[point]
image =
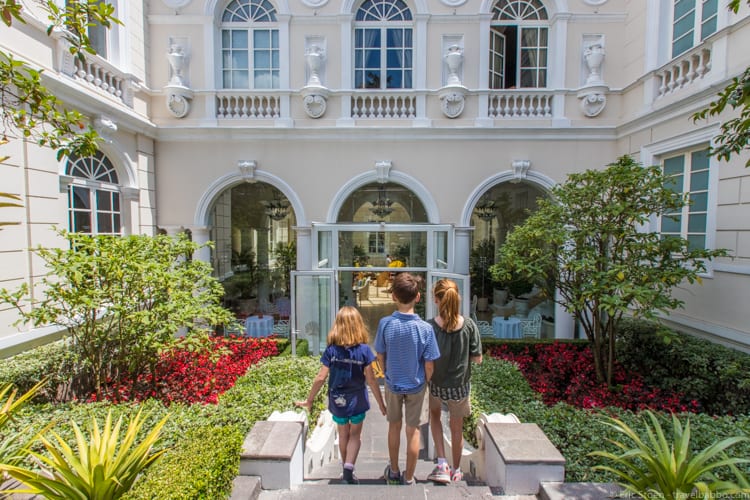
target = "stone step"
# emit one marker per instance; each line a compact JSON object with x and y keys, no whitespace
{"x":326,"y":490}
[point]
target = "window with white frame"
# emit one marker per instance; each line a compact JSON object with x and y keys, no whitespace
{"x":383,"y":49}
{"x":249,"y":45}
{"x":688,"y":173}
{"x":376,"y":243}
{"x":93,"y":195}
{"x":102,"y":39}
{"x":692,"y":22}
{"x":519,"y":36}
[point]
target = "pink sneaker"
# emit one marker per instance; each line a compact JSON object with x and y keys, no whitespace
{"x":457,"y":476}
{"x":440,"y":474}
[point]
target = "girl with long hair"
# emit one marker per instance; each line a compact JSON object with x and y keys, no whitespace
{"x":347,"y":365}
{"x":460,"y":344}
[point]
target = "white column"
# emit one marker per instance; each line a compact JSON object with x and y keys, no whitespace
{"x":304,"y":247}
{"x":200,"y":236}
{"x":462,"y":245}
{"x":564,"y":321}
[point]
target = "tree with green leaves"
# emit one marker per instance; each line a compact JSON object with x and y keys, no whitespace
{"x":590,"y":240}
{"x":29,"y":111}
{"x":122,"y":300}
{"x":735,"y":132}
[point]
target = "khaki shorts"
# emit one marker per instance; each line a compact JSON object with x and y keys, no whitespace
{"x":414,"y":404}
{"x":460,"y":408}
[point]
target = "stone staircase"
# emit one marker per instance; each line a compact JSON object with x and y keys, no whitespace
{"x":520,"y":458}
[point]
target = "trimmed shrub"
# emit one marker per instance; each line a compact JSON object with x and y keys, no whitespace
{"x":716,"y":376}
{"x":25,"y":369}
{"x":192,"y":469}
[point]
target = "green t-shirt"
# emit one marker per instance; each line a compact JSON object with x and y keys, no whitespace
{"x":452,"y":374}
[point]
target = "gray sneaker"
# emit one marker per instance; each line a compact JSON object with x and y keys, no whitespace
{"x":389,"y":477}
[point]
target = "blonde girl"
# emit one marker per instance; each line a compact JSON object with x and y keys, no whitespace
{"x":459,"y":343}
{"x":347,"y":365}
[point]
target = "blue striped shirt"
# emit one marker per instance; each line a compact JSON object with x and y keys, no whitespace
{"x":407,"y":342}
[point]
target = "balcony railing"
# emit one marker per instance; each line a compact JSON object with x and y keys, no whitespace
{"x":683,"y":71}
{"x":249,"y":105}
{"x":97,"y":74}
{"x":384,"y":105}
{"x":524,"y":104}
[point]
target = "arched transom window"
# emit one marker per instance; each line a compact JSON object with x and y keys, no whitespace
{"x":249,"y":45}
{"x":518,"y":44}
{"x":383,"y":45}
{"x":93,"y":195}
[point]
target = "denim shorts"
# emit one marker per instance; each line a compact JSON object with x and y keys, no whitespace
{"x":354,"y":419}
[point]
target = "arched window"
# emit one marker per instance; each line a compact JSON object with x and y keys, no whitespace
{"x":249,"y":45}
{"x":93,"y":195}
{"x":518,"y":44}
{"x":383,"y":45}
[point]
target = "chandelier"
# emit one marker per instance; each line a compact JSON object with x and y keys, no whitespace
{"x":486,"y":210}
{"x":382,"y":206}
{"x":276,"y":208}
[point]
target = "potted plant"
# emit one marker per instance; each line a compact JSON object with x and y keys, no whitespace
{"x":242,"y":288}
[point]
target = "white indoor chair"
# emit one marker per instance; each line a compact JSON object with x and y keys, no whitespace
{"x":281,"y":328}
{"x":531,"y":326}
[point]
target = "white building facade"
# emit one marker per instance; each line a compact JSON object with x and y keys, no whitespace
{"x":434,"y":106}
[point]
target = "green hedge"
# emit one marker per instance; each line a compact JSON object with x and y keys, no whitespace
{"x":273,"y":384}
{"x":716,"y":376}
{"x":192,"y":469}
{"x":26,"y":369}
{"x":499,"y":387}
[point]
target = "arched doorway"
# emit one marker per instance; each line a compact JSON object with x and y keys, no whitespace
{"x":498,"y":210}
{"x":376,"y":250}
{"x":377,"y":227}
{"x":255,"y":249}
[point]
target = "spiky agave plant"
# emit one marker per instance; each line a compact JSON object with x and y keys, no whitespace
{"x":656,"y":467}
{"x":102,"y":467}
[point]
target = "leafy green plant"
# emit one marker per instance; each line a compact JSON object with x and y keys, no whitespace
{"x":122,"y":299}
{"x":193,"y":470}
{"x":658,"y":467}
{"x":587,"y":241}
{"x":13,"y":444}
{"x":102,"y":467}
{"x":30,"y":111}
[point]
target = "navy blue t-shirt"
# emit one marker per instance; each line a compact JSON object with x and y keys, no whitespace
{"x":347,"y":387}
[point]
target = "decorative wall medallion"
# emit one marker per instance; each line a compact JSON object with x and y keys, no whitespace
{"x":178,"y":104}
{"x":452,"y":103}
{"x":315,"y":105}
{"x":594,"y":2}
{"x":453,"y":3}
{"x":593,"y":102}
{"x":314,"y":4}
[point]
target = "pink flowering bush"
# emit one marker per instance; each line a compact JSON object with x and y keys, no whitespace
{"x":189,"y":375}
{"x":565,"y":372}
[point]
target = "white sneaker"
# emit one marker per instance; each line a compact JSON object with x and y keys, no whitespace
{"x":440,"y":474}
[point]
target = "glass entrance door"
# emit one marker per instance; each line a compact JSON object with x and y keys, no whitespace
{"x":313,"y":308}
{"x":354,"y":264}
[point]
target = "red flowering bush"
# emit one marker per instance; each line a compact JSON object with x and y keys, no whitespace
{"x":565,"y":372}
{"x":189,"y":375}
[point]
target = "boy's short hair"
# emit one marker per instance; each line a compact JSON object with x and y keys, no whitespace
{"x":405,"y":287}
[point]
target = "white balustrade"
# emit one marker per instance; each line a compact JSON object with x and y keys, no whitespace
{"x":683,"y":71}
{"x":513,"y":104}
{"x":244,"y":105}
{"x":100,"y":74}
{"x":384,"y":105}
